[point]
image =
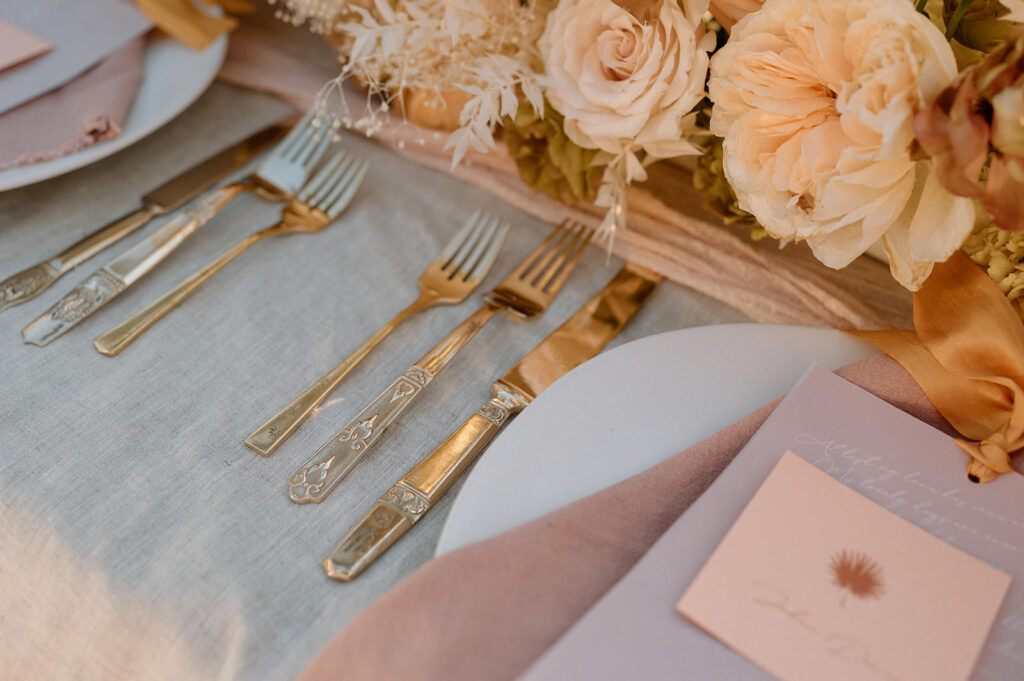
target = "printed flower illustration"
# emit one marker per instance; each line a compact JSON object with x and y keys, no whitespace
{"x":856,"y":573}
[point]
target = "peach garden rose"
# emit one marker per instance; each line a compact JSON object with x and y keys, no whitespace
{"x":626,"y":77}
{"x":815,"y":100}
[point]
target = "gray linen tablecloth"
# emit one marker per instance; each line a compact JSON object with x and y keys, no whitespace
{"x":139,"y":538}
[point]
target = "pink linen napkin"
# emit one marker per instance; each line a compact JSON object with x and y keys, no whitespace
{"x":487,"y":611}
{"x":87,"y":110}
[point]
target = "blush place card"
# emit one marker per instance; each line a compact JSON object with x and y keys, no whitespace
{"x":814,"y":581}
{"x":867,"y":447}
{"x":17,"y":46}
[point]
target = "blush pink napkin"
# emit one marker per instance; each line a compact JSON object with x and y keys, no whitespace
{"x":87,"y":110}
{"x":487,"y":611}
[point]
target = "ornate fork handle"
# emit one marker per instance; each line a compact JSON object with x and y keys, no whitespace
{"x":268,"y":437}
{"x":118,"y":338}
{"x":322,"y":472}
{"x":401,"y":507}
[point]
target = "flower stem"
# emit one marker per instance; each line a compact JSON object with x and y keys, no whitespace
{"x":920,"y":6}
{"x":958,"y":15}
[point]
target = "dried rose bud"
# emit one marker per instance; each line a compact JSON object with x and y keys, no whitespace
{"x":974,"y":131}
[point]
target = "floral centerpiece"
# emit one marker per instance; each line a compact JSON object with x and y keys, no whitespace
{"x":841,"y":123}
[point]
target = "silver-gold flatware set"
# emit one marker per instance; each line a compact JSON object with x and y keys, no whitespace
{"x":449,"y":280}
{"x":277,"y":178}
{"x":581,"y":337}
{"x":171,"y":195}
{"x":526,"y":291}
{"x":316,"y":181}
{"x":317,"y":204}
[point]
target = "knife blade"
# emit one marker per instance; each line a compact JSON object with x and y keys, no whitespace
{"x":581,"y":337}
{"x":29,"y":283}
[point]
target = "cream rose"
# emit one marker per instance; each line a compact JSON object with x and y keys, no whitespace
{"x":623,"y":81}
{"x":815,"y":100}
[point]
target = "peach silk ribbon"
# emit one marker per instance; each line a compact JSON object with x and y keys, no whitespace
{"x":967,"y":353}
{"x":186,"y":22}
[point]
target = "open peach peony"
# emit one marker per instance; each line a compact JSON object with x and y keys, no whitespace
{"x":815,"y":100}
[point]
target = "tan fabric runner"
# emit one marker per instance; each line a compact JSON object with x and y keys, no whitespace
{"x":671,"y":234}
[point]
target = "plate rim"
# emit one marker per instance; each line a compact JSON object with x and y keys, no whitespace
{"x":445,"y":544}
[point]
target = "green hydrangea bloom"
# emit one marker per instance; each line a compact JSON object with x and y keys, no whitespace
{"x":1001,"y":254}
{"x":547,"y":159}
{"x":719,"y":198}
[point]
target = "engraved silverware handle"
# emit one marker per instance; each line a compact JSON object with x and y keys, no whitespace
{"x":268,"y":437}
{"x":322,"y":472}
{"x":121,"y":336}
{"x":29,"y":283}
{"x":99,"y":289}
{"x":127,"y":268}
{"x":410,"y":498}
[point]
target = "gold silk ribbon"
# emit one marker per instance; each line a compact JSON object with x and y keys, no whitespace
{"x":183,"y":20}
{"x":966,"y":351}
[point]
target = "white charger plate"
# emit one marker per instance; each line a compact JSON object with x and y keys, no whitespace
{"x":628,"y":409}
{"x":173,"y":77}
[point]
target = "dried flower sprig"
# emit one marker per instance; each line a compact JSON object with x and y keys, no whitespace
{"x":501,"y":80}
{"x":486,"y":48}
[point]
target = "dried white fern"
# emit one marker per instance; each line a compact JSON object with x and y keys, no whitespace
{"x":486,"y":48}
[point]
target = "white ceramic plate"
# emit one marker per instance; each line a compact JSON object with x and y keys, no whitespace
{"x":628,"y":409}
{"x":174,"y":76}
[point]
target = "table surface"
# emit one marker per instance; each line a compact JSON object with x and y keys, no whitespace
{"x":139,"y":538}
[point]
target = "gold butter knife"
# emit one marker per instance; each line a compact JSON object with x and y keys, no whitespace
{"x":577,"y":340}
{"x":29,"y":283}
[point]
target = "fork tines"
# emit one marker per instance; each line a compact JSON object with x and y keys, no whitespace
{"x":549,"y":267}
{"x":472,"y":251}
{"x":332,"y":187}
{"x":303,"y":145}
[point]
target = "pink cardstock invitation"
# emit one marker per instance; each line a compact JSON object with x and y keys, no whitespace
{"x":872,"y":449}
{"x":815,"y":581}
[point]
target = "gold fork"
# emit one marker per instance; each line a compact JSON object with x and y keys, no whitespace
{"x":318,"y":203}
{"x":449,"y":280}
{"x":526,"y":292}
